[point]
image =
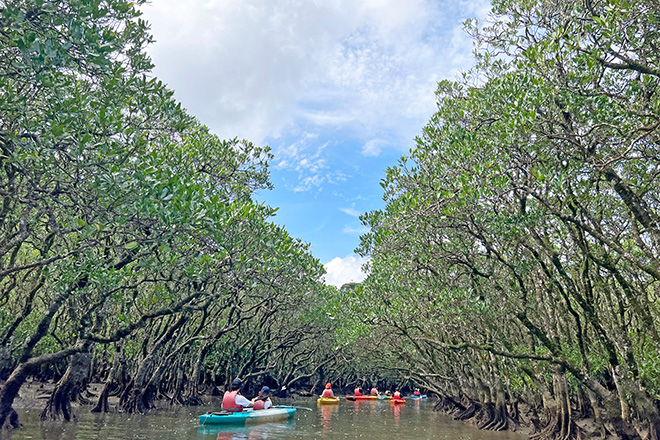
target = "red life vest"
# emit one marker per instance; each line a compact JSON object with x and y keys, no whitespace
{"x":397,"y":395}
{"x":416,"y":393}
{"x":327,"y":393}
{"x":229,"y":402}
{"x":259,"y":404}
{"x":374,"y":392}
{"x":357,"y":392}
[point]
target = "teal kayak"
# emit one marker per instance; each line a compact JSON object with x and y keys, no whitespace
{"x":246,"y":417}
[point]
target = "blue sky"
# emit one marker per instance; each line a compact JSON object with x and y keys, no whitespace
{"x":337,"y":88}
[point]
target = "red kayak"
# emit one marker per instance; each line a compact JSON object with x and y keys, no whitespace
{"x":397,"y":401}
{"x":361,"y":397}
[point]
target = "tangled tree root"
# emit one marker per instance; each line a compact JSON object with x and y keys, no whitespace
{"x":560,"y":427}
{"x":469,"y":412}
{"x":494,"y":417}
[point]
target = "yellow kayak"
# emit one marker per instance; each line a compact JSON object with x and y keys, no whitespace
{"x":327,"y":400}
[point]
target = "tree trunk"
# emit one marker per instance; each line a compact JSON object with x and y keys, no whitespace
{"x":9,"y":391}
{"x":69,"y":386}
{"x":561,"y":425}
{"x":110,"y":383}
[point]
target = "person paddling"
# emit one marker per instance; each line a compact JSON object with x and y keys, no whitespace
{"x":397,"y":395}
{"x":374,"y":391}
{"x":357,"y":391}
{"x":327,"y":392}
{"x":416,"y":393}
{"x":262,"y":401}
{"x":233,"y":400}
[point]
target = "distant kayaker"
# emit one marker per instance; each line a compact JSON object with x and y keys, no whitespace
{"x":388,"y":393}
{"x":374,"y":391}
{"x":358,"y":391}
{"x":327,"y":392}
{"x":262,"y":401}
{"x":416,"y":392}
{"x":234,"y":401}
{"x":397,"y":395}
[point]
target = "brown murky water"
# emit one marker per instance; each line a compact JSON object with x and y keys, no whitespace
{"x":348,"y":420}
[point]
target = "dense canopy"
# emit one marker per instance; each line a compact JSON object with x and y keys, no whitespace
{"x":516,"y":260}
{"x":513,"y":271}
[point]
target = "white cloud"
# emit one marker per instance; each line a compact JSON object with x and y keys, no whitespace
{"x":255,"y":69}
{"x":307,"y":183}
{"x":345,"y":270}
{"x":279,"y":70}
{"x":348,"y":229}
{"x":351,"y":211}
{"x":373,"y":147}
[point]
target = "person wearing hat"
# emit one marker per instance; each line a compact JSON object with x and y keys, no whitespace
{"x":262,"y":401}
{"x":233,"y":400}
{"x":327,"y":392}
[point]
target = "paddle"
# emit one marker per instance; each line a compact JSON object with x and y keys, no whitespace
{"x":351,"y":398}
{"x":290,"y":406}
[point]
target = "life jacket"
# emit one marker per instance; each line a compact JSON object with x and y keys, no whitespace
{"x":259,"y":404}
{"x":357,"y":392}
{"x":327,"y":393}
{"x":416,"y":393}
{"x":229,"y":402}
{"x":397,"y":395}
{"x":374,"y":392}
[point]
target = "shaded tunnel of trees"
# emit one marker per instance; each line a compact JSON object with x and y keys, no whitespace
{"x":513,"y":271}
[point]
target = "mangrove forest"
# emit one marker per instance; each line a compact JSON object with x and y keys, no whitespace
{"x":513,"y":272}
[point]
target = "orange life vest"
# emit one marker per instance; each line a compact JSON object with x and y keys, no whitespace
{"x":229,"y":402}
{"x":259,"y":404}
{"x":357,"y":392}
{"x":397,"y":395}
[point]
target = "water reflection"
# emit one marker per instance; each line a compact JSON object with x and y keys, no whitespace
{"x":327,"y":412}
{"x":396,"y":409}
{"x":347,"y":420}
{"x":254,"y":432}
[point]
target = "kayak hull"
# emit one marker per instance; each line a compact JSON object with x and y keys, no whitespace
{"x":327,"y":400}
{"x":361,"y":397}
{"x":397,"y":401}
{"x":423,"y":396}
{"x":246,"y":417}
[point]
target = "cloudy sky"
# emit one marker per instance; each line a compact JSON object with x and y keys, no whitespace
{"x":337,"y":88}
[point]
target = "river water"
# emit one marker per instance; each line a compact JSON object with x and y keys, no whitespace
{"x":348,"y":420}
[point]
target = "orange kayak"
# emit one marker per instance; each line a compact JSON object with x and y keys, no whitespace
{"x":397,"y":401}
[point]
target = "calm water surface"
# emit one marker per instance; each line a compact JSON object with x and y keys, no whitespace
{"x":348,"y":420}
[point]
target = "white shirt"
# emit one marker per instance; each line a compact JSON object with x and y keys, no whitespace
{"x":241,"y":400}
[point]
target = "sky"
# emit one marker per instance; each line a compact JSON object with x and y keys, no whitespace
{"x":339,"y":89}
